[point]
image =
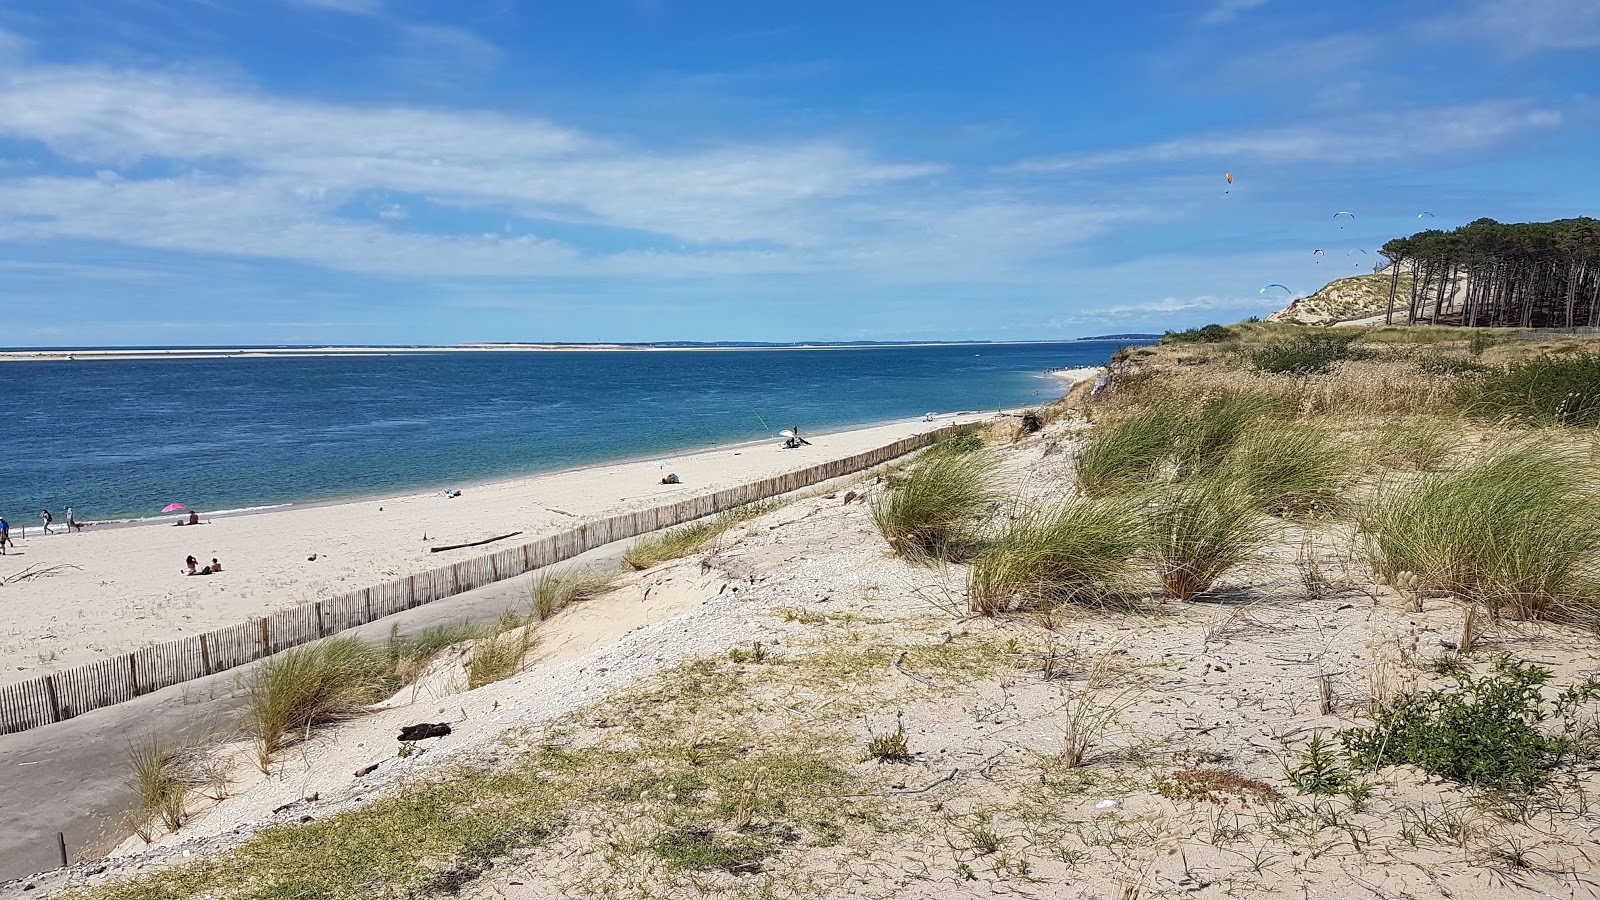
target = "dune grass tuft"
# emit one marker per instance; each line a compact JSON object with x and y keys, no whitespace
{"x":554,"y":589}
{"x":159,"y":779}
{"x":499,"y":656}
{"x":676,"y":543}
{"x":1047,"y":556}
{"x":409,"y":657}
{"x":1292,"y":471}
{"x":1197,"y":531}
{"x":1517,"y":530}
{"x":1423,"y":446}
{"x":931,"y":512}
{"x":305,"y":686}
{"x":1167,"y":440}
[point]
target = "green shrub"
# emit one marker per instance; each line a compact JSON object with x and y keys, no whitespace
{"x":1311,"y":354}
{"x":1517,"y":530}
{"x":1208,"y":334}
{"x":1198,"y":530}
{"x":931,"y":512}
{"x":963,"y":440}
{"x":1054,"y":555}
{"x":1548,"y":390}
{"x":1490,"y":731}
{"x":1293,"y":471}
{"x":306,"y":686}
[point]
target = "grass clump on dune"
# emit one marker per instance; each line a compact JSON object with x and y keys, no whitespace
{"x":1292,"y":471}
{"x":409,"y":657}
{"x":498,"y":657}
{"x":1196,"y":531}
{"x":1518,"y":530}
{"x":676,"y":543}
{"x":313,"y":684}
{"x":1309,"y":354}
{"x":1548,"y":390}
{"x":1167,"y":440}
{"x":553,"y":590}
{"x":1055,"y":555}
{"x":1423,"y":447}
{"x":931,"y":511}
{"x":159,"y":777}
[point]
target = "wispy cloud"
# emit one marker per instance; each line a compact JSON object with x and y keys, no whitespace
{"x":1384,"y":136}
{"x":1526,"y":26}
{"x":267,"y":177}
{"x":359,"y":7}
{"x":1222,"y":11}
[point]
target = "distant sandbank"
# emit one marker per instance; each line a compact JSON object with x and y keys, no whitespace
{"x":53,"y":353}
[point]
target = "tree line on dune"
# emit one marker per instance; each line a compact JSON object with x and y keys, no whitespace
{"x":1529,"y":275}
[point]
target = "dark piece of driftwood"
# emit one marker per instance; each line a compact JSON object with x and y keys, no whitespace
{"x":424,"y":731}
{"x":473,"y":543}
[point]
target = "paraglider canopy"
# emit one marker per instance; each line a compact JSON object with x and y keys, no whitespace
{"x":1230,"y":178}
{"x":1279,"y":286}
{"x":1426,"y":213}
{"x":1316,"y":251}
{"x":1344,"y":212}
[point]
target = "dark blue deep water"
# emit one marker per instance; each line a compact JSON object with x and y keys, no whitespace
{"x":120,"y":439}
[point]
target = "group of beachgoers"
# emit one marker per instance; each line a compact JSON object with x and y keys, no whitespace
{"x":191,"y":564}
{"x":47,"y":518}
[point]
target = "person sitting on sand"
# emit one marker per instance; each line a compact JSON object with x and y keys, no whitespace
{"x":671,"y":479}
{"x":191,"y":562}
{"x":194,"y":518}
{"x":215,"y":566}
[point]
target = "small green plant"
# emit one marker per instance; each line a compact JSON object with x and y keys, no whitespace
{"x":1319,"y":769}
{"x":1197,"y":531}
{"x":891,"y":746}
{"x":1047,"y":556}
{"x":1496,"y":730}
{"x":1480,"y":341}
{"x":405,"y":751}
{"x":757,"y":653}
{"x":1548,"y":390}
{"x":300,"y":688}
{"x":964,"y":440}
{"x":930,"y":513}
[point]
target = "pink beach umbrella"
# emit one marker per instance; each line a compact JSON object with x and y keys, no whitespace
{"x":172,"y":507}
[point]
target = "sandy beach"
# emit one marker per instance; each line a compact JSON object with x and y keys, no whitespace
{"x":124,"y":587}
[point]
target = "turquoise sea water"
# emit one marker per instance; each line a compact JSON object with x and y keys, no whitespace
{"x":122,"y":438}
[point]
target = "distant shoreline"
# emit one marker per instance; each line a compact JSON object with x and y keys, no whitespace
{"x":116,"y":353}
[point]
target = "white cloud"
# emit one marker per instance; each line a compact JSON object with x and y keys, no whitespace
{"x":1525,"y":26}
{"x":268,"y":177}
{"x":1382,"y":136}
{"x":1223,"y":11}
{"x":358,"y":7}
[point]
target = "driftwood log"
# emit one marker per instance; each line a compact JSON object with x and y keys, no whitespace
{"x":473,"y":543}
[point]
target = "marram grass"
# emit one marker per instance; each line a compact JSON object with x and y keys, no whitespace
{"x":932,"y":511}
{"x":302,"y":687}
{"x":1197,"y":531}
{"x":676,"y":543}
{"x":1070,"y":552}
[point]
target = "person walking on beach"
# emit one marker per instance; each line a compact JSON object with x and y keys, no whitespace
{"x":5,"y":535}
{"x":72,"y":522}
{"x":45,"y":515}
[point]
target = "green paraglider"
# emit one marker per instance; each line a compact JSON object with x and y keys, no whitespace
{"x":1275,"y":285}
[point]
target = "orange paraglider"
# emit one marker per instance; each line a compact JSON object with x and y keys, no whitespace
{"x":1230,"y":177}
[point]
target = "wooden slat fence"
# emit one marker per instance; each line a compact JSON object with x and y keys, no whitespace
{"x":73,"y":692}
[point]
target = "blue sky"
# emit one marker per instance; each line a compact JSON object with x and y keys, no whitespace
{"x":350,"y":171}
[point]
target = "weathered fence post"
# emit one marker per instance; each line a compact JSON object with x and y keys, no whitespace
{"x":61,"y":844}
{"x":133,"y":673}
{"x":320,"y":629}
{"x":205,"y":655}
{"x":50,"y":692}
{"x":266,"y":640}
